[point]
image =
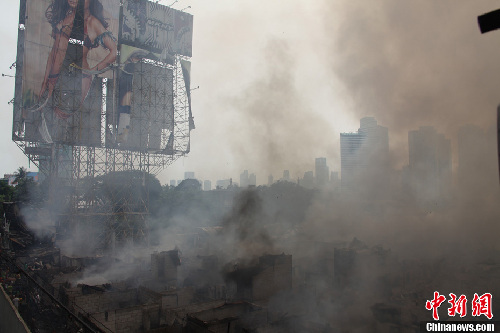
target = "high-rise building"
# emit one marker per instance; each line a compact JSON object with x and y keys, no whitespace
{"x":334,"y":180}
{"x":430,"y":165}
{"x":224,"y":183}
{"x":322,"y":172}
{"x":189,"y":175}
{"x":207,"y":185}
{"x":364,"y":155}
{"x":173,"y":182}
{"x":270,"y":180}
{"x":247,"y":179}
{"x":308,"y":180}
{"x":252,"y":180}
{"x":477,"y":157}
{"x":244,"y":179}
{"x":286,"y":175}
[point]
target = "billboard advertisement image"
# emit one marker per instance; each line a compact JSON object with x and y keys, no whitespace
{"x":99,"y":72}
{"x":69,"y":47}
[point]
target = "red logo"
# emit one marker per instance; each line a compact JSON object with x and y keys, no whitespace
{"x":481,"y":305}
{"x":435,"y":304}
{"x":457,"y":306}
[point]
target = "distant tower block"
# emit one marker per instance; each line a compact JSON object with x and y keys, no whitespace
{"x":244,"y":179}
{"x":430,"y":164}
{"x":364,"y":157}
{"x":252,"y":179}
{"x":308,"y":180}
{"x":322,"y":172}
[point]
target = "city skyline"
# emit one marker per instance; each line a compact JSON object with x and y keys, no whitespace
{"x":294,"y":174}
{"x":367,"y":124}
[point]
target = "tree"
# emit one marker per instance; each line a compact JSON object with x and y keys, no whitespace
{"x":26,"y":190}
{"x":6,"y":191}
{"x":20,"y":175}
{"x":6,"y":194}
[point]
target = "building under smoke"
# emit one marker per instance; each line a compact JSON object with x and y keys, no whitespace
{"x":270,"y":180}
{"x":207,"y":185}
{"x":322,"y":172}
{"x":286,"y":175}
{"x":365,"y":157}
{"x":308,"y":180}
{"x":189,"y":175}
{"x":475,"y":144}
{"x":244,"y":179}
{"x":430,"y":165}
{"x":247,"y":179}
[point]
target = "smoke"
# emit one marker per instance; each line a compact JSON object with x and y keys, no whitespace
{"x":275,"y":126}
{"x":415,"y":63}
{"x":130,"y":264}
{"x":39,"y":221}
{"x":246,"y":227}
{"x":408,"y":64}
{"x":412,"y":64}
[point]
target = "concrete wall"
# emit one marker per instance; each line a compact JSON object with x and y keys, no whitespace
{"x":10,"y":320}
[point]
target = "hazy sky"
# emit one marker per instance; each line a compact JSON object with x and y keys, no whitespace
{"x":279,"y":80}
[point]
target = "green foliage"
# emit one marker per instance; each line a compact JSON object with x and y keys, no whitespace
{"x":26,"y":191}
{"x":6,"y":192}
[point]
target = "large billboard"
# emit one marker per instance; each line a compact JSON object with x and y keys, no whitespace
{"x":145,"y":106}
{"x":99,"y":72}
{"x":160,"y":30}
{"x":69,"y":46}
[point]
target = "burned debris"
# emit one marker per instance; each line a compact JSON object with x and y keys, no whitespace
{"x":197,"y":282}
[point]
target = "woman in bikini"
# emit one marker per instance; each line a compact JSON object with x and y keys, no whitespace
{"x":67,"y":17}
